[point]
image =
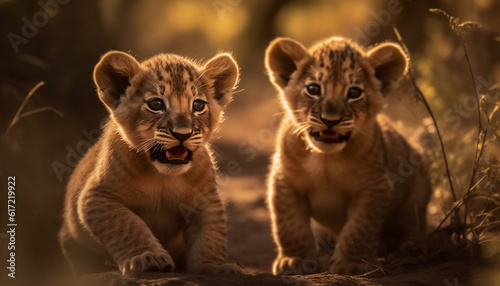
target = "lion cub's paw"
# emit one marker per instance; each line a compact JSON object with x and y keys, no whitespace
{"x":348,"y":267}
{"x":286,"y":265}
{"x":147,"y":261}
{"x":226,"y":268}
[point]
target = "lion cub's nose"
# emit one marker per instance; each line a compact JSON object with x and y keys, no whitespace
{"x":330,"y":121}
{"x":181,"y":134}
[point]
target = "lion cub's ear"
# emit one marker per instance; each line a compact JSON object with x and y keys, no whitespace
{"x":112,"y":76}
{"x":390,"y":63}
{"x":224,"y":72}
{"x":283,"y":58}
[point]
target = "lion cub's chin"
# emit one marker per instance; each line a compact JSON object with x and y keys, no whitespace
{"x":324,"y":147}
{"x":171,"y":169}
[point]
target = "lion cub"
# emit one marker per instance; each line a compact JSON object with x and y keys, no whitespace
{"x":336,"y":162}
{"x":145,"y":195}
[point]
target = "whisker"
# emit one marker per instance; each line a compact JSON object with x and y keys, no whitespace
{"x":312,"y":119}
{"x":301,"y":128}
{"x":238,"y":91}
{"x":216,"y":150}
{"x":146,"y":145}
{"x":279,"y":113}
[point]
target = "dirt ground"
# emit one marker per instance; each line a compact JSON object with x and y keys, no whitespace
{"x":250,"y":245}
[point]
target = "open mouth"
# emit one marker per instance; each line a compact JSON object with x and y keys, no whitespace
{"x":176,"y":155}
{"x":329,"y":136}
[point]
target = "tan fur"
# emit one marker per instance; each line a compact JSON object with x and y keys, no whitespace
{"x":124,"y":209}
{"x":354,"y":189}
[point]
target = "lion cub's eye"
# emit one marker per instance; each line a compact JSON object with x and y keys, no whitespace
{"x":199,"y":105}
{"x":156,"y":104}
{"x":313,"y":89}
{"x":354,"y":93}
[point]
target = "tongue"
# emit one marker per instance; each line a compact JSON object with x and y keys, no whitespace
{"x":328,"y":134}
{"x":176,"y":153}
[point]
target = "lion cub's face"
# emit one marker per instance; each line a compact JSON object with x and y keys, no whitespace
{"x":167,"y":106}
{"x":334,"y":90}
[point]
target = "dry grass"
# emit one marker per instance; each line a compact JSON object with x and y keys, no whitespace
{"x":19,"y":115}
{"x":474,"y":210}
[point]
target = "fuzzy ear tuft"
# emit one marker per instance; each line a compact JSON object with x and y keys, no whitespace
{"x":112,"y":76}
{"x":224,"y":72}
{"x":282,"y":58}
{"x":390,"y":64}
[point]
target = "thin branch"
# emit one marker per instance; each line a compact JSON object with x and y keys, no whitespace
{"x":429,"y":110}
{"x":32,"y":91}
{"x":41,"y":109}
{"x":459,"y":203}
{"x":18,"y":115}
{"x":438,"y":132}
{"x":481,"y":132}
{"x":460,"y":29}
{"x":492,"y":127}
{"x":479,"y":227}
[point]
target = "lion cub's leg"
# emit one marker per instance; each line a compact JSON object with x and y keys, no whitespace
{"x":205,"y":237}
{"x":291,"y":228}
{"x":359,"y":238}
{"x":126,"y":237}
{"x":81,"y":259}
{"x":408,"y":226}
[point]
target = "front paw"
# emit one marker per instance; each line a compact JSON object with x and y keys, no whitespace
{"x":286,"y":265}
{"x":147,"y":261}
{"x":350,"y":267}
{"x":225,"y":268}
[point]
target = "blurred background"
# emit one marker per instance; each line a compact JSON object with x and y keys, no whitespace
{"x":59,"y":42}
